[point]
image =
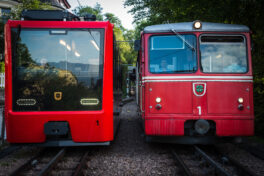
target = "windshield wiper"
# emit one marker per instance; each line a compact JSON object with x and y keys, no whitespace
{"x":186,"y":42}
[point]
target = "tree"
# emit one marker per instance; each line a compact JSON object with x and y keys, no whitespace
{"x":113,"y":19}
{"x":29,"y":5}
{"x":130,"y":37}
{"x":96,"y":10}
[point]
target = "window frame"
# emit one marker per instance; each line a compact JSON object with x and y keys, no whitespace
{"x":170,"y":34}
{"x":215,"y":34}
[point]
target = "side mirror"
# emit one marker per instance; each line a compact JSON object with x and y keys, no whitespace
{"x":137,"y":45}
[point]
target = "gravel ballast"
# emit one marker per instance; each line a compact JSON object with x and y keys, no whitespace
{"x":129,"y":154}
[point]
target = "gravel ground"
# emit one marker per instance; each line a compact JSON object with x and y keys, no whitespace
{"x":129,"y":154}
{"x":16,"y":159}
{"x":68,"y":164}
{"x":253,"y":163}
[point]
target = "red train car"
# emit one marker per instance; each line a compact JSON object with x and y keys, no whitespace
{"x":59,"y":80}
{"x":195,"y":82}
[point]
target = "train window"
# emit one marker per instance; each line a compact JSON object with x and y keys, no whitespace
{"x":58,"y":69}
{"x":172,"y":54}
{"x":223,"y":54}
{"x":167,"y":42}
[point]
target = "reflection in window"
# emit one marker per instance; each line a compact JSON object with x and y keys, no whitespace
{"x":223,"y":54}
{"x":57,"y":60}
{"x":171,"y":54}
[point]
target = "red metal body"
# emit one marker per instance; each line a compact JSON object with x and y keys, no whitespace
{"x":85,"y":126}
{"x":179,"y":102}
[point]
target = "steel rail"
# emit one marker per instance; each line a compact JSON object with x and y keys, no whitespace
{"x":257,"y":152}
{"x":211,"y":161}
{"x":243,"y":169}
{"x":81,"y":165}
{"x":238,"y":165}
{"x":181,"y":162}
{"x":8,"y":151}
{"x":52,"y":163}
{"x":26,"y":164}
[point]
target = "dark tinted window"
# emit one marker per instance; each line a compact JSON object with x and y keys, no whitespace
{"x":57,"y":69}
{"x":233,"y":39}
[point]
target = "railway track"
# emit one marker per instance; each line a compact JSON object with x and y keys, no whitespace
{"x":54,"y":162}
{"x":196,"y":161}
{"x":254,"y":150}
{"x":9,"y":150}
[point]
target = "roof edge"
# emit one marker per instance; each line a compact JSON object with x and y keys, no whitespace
{"x":188,"y":27}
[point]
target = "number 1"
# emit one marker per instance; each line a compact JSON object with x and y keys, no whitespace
{"x":199,"y":110}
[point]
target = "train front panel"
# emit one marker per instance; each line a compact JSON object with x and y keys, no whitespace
{"x":196,"y":84}
{"x":57,"y":89}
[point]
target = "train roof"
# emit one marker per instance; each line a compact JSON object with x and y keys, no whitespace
{"x":188,"y":27}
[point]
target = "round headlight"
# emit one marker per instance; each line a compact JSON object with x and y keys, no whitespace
{"x":197,"y":24}
{"x":158,"y":99}
{"x":240,"y":100}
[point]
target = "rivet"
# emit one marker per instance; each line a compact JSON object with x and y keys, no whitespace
{"x":247,"y":89}
{"x":248,"y":107}
{"x":150,"y":107}
{"x":150,"y":89}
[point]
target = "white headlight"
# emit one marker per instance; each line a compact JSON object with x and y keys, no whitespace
{"x":158,"y":99}
{"x":197,"y":24}
{"x":240,"y":100}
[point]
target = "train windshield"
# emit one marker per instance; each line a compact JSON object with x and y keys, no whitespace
{"x":172,"y":54}
{"x":223,"y":54}
{"x":57,"y":69}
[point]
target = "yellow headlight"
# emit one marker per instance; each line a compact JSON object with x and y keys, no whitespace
{"x":240,"y":100}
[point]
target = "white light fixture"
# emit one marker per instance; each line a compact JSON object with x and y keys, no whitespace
{"x":63,"y":42}
{"x":57,"y":32}
{"x":77,"y":54}
{"x":219,"y":56}
{"x":68,"y":47}
{"x":158,"y":99}
{"x":95,"y":45}
{"x":197,"y":24}
{"x":240,"y":100}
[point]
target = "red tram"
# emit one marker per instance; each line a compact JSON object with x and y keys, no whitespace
{"x":60,"y":80}
{"x":195,"y":82}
